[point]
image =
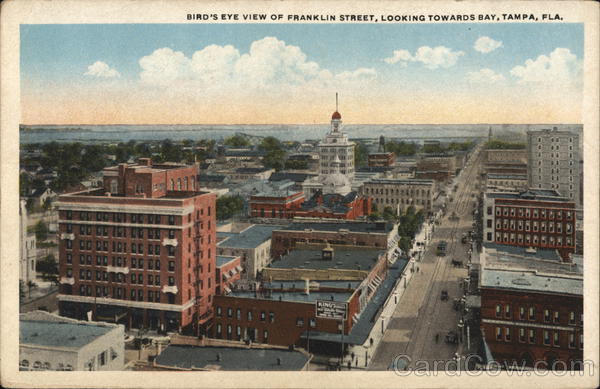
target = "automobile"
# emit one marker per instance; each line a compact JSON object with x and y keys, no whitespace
{"x":441,"y":248}
{"x":444,"y":295}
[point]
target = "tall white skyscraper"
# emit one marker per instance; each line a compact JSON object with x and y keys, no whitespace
{"x":554,"y":162}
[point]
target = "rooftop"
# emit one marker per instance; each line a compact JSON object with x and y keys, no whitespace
{"x":249,"y":238}
{"x":48,"y":330}
{"x":251,"y":170}
{"x":403,"y":181}
{"x":530,"y":194}
{"x":344,"y":257}
{"x":298,"y":297}
{"x":382,"y":228}
{"x":542,"y":271}
{"x":231,"y":358}
{"x":224,"y":259}
{"x":300,"y":284}
{"x":507,"y":176}
{"x":296,"y":177}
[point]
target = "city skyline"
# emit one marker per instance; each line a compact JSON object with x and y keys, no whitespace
{"x":284,"y":74}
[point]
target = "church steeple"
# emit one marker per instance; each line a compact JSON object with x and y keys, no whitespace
{"x":336,"y":118}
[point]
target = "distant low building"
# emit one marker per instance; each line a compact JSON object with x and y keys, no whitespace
{"x":515,"y":181}
{"x":252,"y":245}
{"x":249,"y":173}
{"x":40,"y":196}
{"x":382,"y":159}
{"x":52,"y":342}
{"x":399,"y":194}
{"x":336,"y":206}
{"x":229,"y":270}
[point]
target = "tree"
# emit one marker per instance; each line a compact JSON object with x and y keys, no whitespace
{"x":41,"y":231}
{"x":401,"y":148}
{"x":228,"y":206}
{"x":389,"y":214}
{"x":170,"y":152}
{"x":295,"y":164}
{"x":270,"y":143}
{"x":373,"y":217}
{"x":236,"y":141}
{"x":48,"y":267}
{"x":361,"y":154}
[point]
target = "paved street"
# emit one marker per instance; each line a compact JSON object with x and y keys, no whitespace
{"x":421,"y":314}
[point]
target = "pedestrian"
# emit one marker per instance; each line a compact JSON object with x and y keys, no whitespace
{"x":437,"y":337}
{"x":417,"y":269}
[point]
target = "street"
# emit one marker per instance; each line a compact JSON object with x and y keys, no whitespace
{"x":421,"y":314}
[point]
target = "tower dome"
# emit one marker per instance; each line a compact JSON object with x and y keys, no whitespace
{"x":336,"y":116}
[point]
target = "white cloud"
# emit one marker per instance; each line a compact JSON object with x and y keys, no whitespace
{"x":559,"y":68}
{"x":485,"y":75}
{"x":101,"y":69}
{"x":431,"y":58}
{"x":485,"y":44}
{"x":269,"y":62}
{"x":399,"y":56}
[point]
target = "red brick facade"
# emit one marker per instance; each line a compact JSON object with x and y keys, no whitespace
{"x":283,"y":321}
{"x":151,"y":260}
{"x":529,"y":223}
{"x":282,"y":207}
{"x":527,"y":326}
{"x":227,"y":274}
{"x":382,"y":159}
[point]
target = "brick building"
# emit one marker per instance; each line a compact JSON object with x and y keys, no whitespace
{"x":335,"y":206}
{"x":382,"y":159}
{"x":140,"y":251}
{"x":281,"y":309}
{"x":514,"y":181}
{"x":439,"y":167}
{"x":531,"y":306}
{"x":400,"y":194}
{"x":276,"y":203}
{"x":360,"y":234}
{"x":533,"y":218}
{"x":229,"y":270}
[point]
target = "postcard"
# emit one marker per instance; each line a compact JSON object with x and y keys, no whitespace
{"x":299,"y":194}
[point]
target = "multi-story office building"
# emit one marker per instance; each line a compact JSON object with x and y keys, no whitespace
{"x":554,"y":162}
{"x":141,"y":250}
{"x":532,"y":307}
{"x":382,"y":159}
{"x":534,"y":218}
{"x":400,"y":194}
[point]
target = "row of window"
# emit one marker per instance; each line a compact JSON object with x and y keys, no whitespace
{"x":534,"y":226}
{"x":134,"y":278}
{"x":122,"y":262}
{"x":555,"y":139}
{"x":505,"y":237}
{"x":401,"y":192}
{"x":122,"y":217}
{"x":549,"y":338}
{"x":402,"y":201}
{"x":121,"y":247}
{"x":241,"y":333}
{"x":24,"y":365}
{"x":542,"y":213}
{"x":120,"y":232}
{"x":529,"y":314}
{"x":249,"y":314}
{"x":121,"y":293}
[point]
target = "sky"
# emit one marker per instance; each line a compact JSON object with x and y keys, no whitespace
{"x":289,"y":73}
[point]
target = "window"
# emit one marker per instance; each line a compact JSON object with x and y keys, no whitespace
{"x":102,"y":358}
{"x":498,"y":333}
{"x":263,"y":316}
{"x":531,"y":313}
{"x":556,"y":317}
{"x":272,"y":317}
{"x":171,"y":265}
{"x":571,"y":317}
{"x":556,"y":338}
{"x":546,"y":315}
{"x":571,"y":340}
{"x":249,"y":315}
{"x":522,"y":335}
{"x":507,"y":334}
{"x":498,"y":310}
{"x":300,"y":322}
{"x":265,"y":336}
{"x":172,"y":282}
{"x":507,"y":310}
{"x":229,"y":312}
{"x":312,"y":322}
{"x":238,"y":314}
{"x":219,"y":311}
{"x":546,"y":337}
{"x":531,"y":336}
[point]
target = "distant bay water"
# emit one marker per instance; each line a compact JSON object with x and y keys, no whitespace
{"x":408,"y":132}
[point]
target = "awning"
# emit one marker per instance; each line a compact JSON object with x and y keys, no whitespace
{"x":239,"y":268}
{"x":232,"y":272}
{"x":226,"y":276}
{"x":226,"y":289}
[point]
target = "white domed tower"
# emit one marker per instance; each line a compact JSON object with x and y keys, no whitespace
{"x":336,"y":147}
{"x":336,"y":182}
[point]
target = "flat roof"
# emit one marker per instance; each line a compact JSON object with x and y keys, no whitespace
{"x":299,"y":297}
{"x":250,"y":237}
{"x":531,"y":281}
{"x":530,"y":194}
{"x":293,"y":284}
{"x":406,"y":181}
{"x":60,"y":334}
{"x":224,"y":259}
{"x":508,"y":176}
{"x":336,"y":227}
{"x":231,"y":358}
{"x":346,"y":258}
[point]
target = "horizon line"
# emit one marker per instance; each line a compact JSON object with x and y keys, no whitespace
{"x":287,"y":124}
